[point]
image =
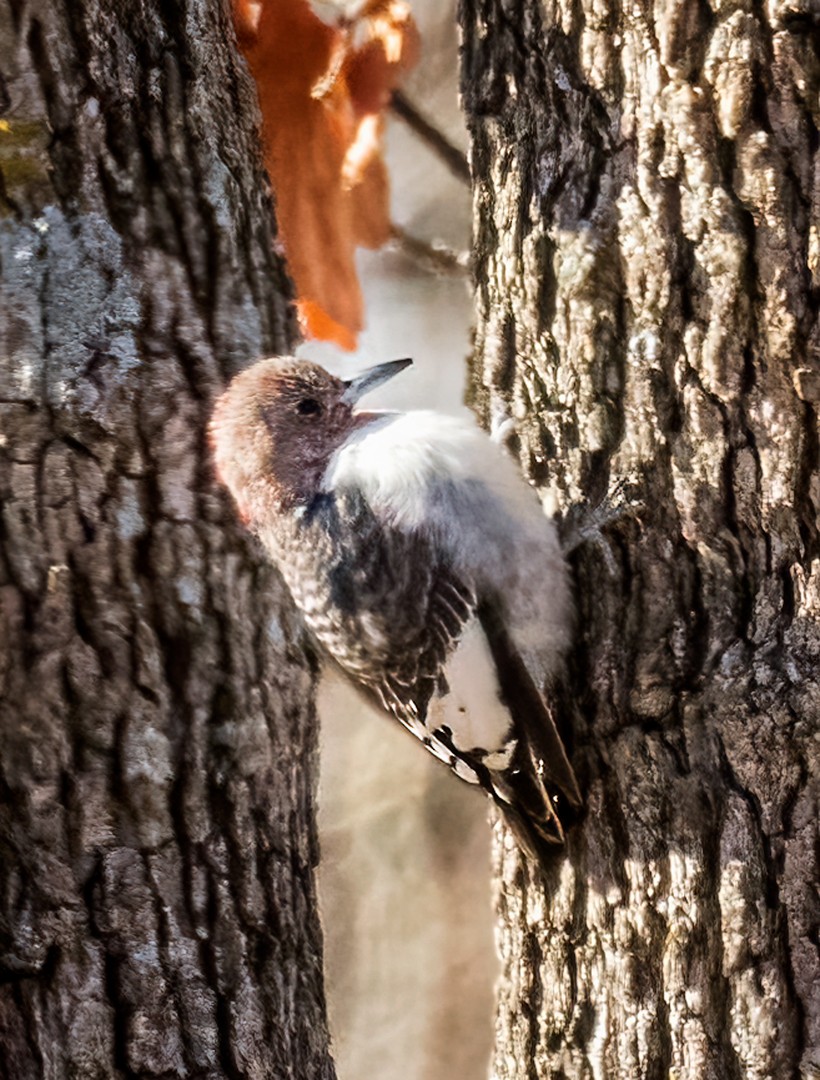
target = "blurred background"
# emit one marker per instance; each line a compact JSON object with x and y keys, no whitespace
{"x":404,"y":879}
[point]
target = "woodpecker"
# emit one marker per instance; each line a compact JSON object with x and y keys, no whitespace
{"x":423,"y":564}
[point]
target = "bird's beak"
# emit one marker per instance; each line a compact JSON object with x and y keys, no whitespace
{"x":370,"y":379}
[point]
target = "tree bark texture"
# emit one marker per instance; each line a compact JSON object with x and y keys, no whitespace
{"x":157,"y":845}
{"x":646,"y":258}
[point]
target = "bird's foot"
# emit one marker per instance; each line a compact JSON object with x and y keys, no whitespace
{"x":502,"y":425}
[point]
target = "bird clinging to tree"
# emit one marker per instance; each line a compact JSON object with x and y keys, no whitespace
{"x":423,"y":564}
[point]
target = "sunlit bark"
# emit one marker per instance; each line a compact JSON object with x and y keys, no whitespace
{"x":645,"y":259}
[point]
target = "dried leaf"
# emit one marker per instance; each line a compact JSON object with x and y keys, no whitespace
{"x":322,"y":89}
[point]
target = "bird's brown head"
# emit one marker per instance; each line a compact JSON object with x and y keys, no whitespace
{"x":278,"y":424}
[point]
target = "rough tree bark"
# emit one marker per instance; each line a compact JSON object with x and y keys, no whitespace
{"x":157,"y":906}
{"x":646,"y":207}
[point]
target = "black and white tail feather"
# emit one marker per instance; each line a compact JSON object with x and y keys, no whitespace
{"x":528,"y":774}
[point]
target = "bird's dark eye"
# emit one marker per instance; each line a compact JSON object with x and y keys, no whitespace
{"x":308,"y":407}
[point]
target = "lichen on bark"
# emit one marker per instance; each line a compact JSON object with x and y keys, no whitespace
{"x":645,"y":255}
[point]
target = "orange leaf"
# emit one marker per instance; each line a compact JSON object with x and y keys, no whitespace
{"x":321,"y":89}
{"x":316,"y":323}
{"x":246,"y":15}
{"x":387,"y":45}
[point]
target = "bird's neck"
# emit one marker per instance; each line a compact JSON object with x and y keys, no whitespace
{"x":285,"y":492}
{"x":288,"y":499}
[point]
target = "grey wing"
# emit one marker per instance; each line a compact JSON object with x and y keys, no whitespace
{"x":395,"y":615}
{"x":427,"y":625}
{"x":390,"y":610}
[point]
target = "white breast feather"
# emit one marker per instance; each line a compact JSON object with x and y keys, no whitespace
{"x":443,"y":474}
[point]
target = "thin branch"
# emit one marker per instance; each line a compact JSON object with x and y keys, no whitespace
{"x":432,"y":256}
{"x":452,"y":157}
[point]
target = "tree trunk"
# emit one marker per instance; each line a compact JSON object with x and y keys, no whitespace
{"x":157,"y":844}
{"x":646,"y":187}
